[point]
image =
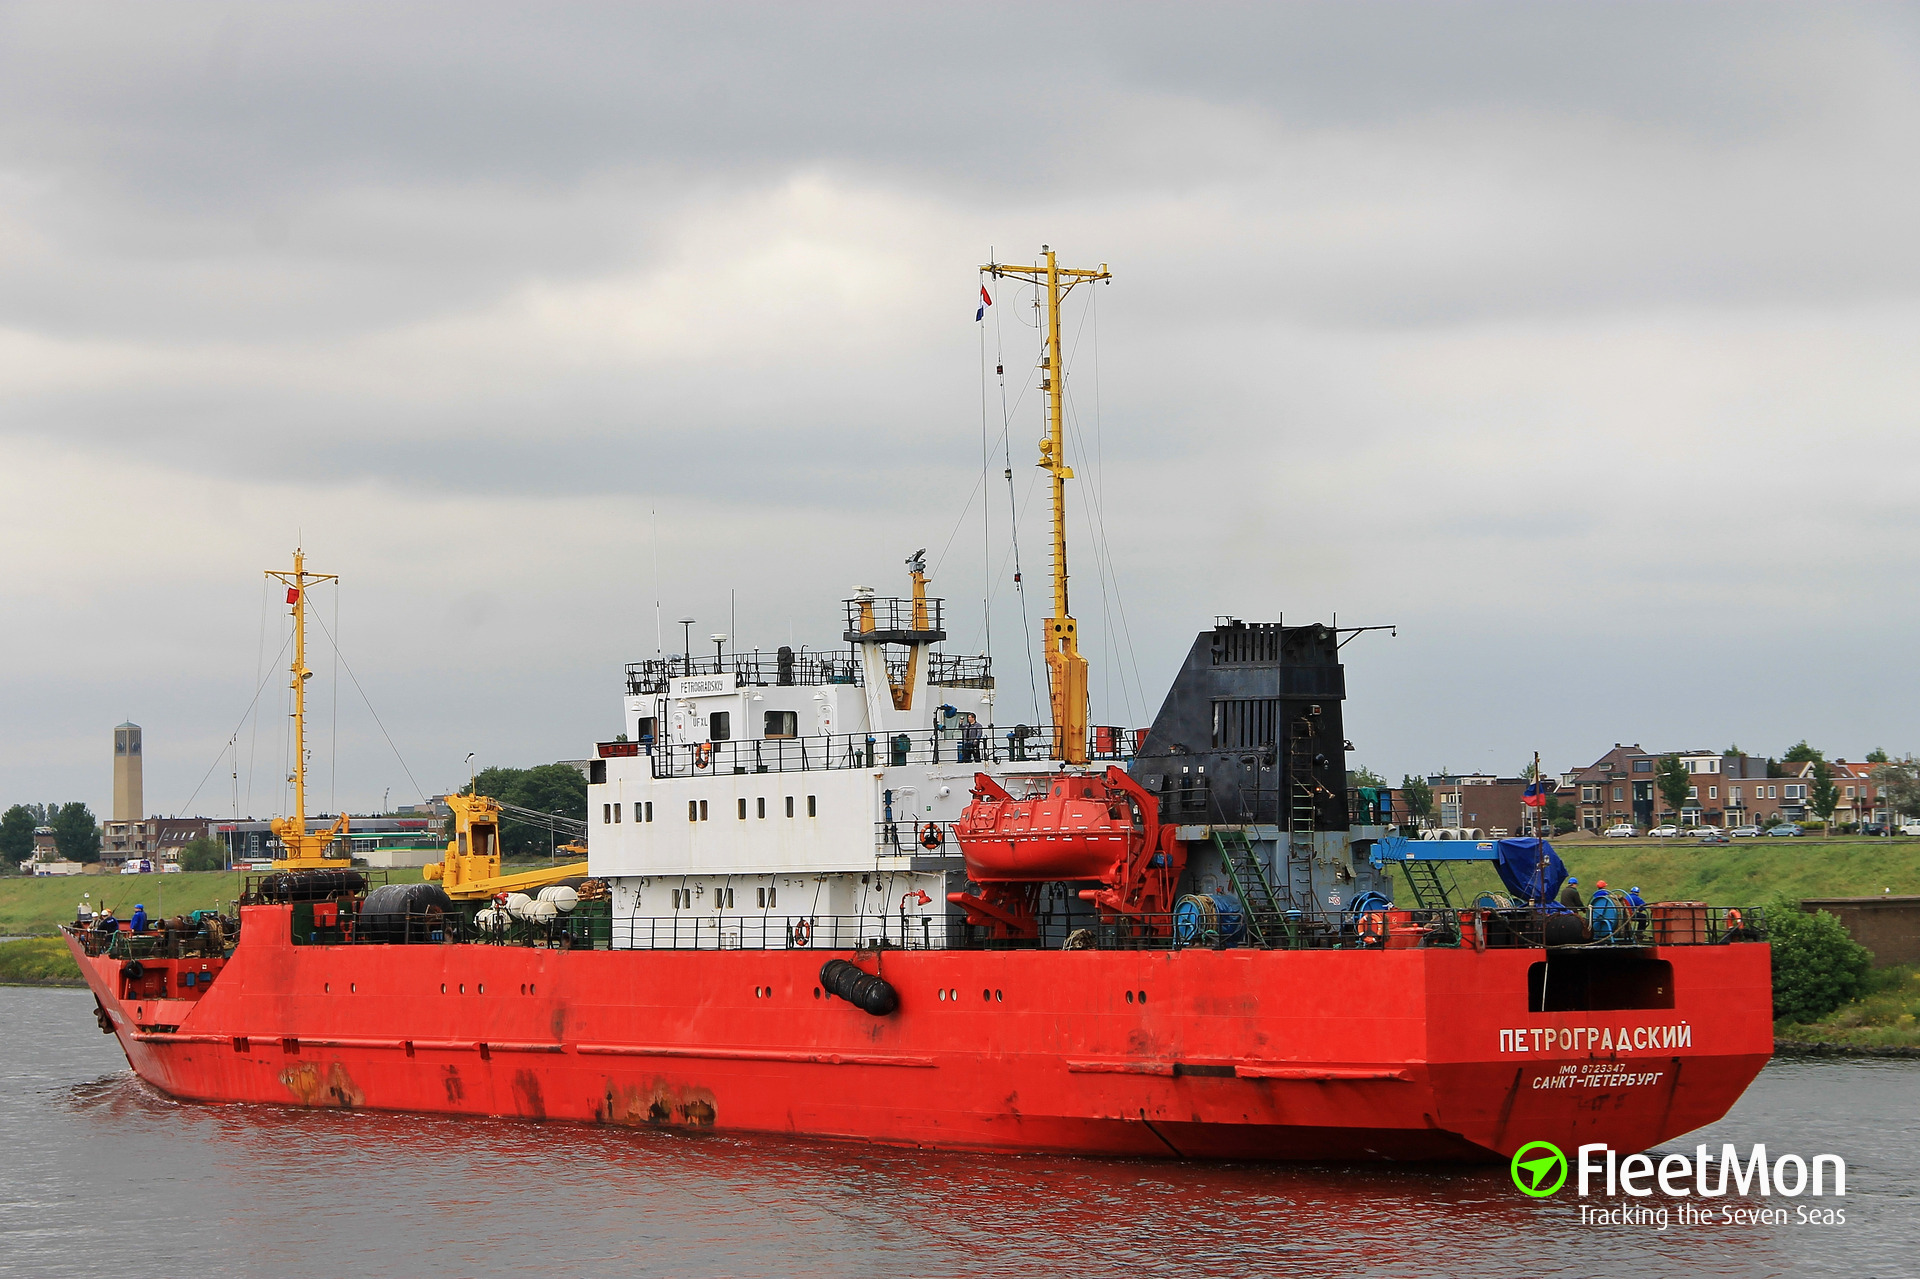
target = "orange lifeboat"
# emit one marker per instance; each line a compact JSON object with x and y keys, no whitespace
{"x":1105,"y":829}
{"x":1078,"y":829}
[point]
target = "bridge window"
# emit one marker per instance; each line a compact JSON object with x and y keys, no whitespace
{"x":719,"y":726}
{"x":760,"y":807}
{"x":703,"y":810}
{"x":743,"y":808}
{"x":606,"y":816}
{"x":783,"y":723}
{"x":813,"y":808}
{"x":789,"y":805}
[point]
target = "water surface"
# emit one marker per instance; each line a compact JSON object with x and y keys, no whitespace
{"x":101,"y":1175}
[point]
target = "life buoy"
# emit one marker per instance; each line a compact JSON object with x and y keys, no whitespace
{"x":802,"y":932}
{"x":702,"y":755}
{"x":931,"y":835}
{"x":1373,"y":928}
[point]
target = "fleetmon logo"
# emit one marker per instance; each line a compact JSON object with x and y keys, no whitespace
{"x":1539,"y":1169}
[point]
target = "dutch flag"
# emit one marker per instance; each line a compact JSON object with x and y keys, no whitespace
{"x":985,"y":302}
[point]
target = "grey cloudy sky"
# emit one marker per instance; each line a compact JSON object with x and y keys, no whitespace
{"x":1578,"y":341}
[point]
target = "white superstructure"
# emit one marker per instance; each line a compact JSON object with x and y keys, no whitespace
{"x":755,"y":797}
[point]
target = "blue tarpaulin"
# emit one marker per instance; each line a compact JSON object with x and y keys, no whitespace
{"x":1530,"y":869}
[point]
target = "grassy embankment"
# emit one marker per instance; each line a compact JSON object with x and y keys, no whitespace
{"x":38,"y":961}
{"x":1747,"y":872}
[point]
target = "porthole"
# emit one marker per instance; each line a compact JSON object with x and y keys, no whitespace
{"x":987,"y":995}
{"x":481,"y":989}
{"x":463,"y":988}
{"x":353,"y":988}
{"x":523,"y":988}
{"x":529,"y":988}
{"x":1143,"y":996}
{"x":997,"y":997}
{"x":943,"y":995}
{"x":1129,"y":996}
{"x":443,"y":988}
{"x":326,"y":988}
{"x":816,"y":992}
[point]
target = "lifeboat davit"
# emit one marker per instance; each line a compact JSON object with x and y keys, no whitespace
{"x":1103,"y":828}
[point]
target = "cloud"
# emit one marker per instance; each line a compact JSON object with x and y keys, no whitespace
{"x":1577,"y":341}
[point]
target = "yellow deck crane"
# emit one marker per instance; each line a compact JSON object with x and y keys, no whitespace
{"x":471,"y":868}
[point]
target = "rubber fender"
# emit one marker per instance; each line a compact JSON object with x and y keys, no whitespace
{"x":133,"y":970}
{"x":866,"y":991}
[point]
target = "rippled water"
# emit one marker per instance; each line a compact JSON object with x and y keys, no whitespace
{"x":101,"y":1175}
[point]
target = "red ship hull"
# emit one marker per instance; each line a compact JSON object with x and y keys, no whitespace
{"x":1422,"y":1054}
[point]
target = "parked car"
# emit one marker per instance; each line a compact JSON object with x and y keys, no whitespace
{"x":1714,"y":837}
{"x":1743,"y":832}
{"x":136,"y":866}
{"x":1622,"y":831}
{"x":1705,"y":830}
{"x":170,"y":868}
{"x":1785,"y":828}
{"x":1911,"y":828}
{"x":1876,"y":829}
{"x":1664,"y":832}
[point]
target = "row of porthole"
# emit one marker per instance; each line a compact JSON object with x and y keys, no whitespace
{"x":353,"y":988}
{"x":763,"y":992}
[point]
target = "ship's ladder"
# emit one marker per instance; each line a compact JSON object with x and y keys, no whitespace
{"x":1302,"y":815}
{"x":1429,"y":890}
{"x":1264,"y":922}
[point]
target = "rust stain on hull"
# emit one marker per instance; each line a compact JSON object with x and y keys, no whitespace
{"x":313,"y":1085}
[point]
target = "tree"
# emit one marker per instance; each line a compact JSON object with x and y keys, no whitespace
{"x":1801,"y":753}
{"x":1357,"y":777}
{"x":16,"y":834}
{"x":1419,"y":796}
{"x":1823,"y":796}
{"x":1817,"y":965}
{"x":1878,"y":755}
{"x":1673,"y":781}
{"x":75,"y":834}
{"x":1559,"y":814}
{"x":1900,"y":779}
{"x":547,"y":788}
{"x":203,"y":852}
{"x":1530,"y":771}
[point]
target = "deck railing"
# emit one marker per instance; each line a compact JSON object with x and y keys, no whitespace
{"x":1017,"y":745}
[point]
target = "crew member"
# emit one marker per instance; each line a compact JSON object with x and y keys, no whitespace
{"x":971,"y":735}
{"x":139,"y":920}
{"x":1570,"y":894}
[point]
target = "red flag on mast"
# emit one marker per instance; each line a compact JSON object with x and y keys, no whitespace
{"x":293,"y":595}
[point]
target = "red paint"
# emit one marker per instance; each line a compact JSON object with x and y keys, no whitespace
{"x":1258,"y":1054}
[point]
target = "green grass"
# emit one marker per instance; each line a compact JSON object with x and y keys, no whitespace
{"x":1888,"y":1016}
{"x":37,"y":905}
{"x":38,"y":961}
{"x":1744,"y":873}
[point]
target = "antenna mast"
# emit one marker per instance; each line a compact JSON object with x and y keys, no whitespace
{"x":1066,"y":668}
{"x":301,"y":849}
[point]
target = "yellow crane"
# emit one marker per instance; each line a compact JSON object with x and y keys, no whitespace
{"x":1066,"y":668}
{"x":471,"y":868}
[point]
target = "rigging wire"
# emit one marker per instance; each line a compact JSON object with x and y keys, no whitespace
{"x":260,"y":662}
{"x":333,"y":713}
{"x":234,"y":737}
{"x":1013,"y":508}
{"x":376,"y":714}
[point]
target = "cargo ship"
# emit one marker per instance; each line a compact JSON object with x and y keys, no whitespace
{"x":827,"y":893}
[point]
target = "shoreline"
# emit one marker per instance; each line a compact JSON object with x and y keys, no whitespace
{"x":1827,"y":1048}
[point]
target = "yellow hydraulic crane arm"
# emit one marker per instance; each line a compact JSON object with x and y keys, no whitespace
{"x":471,"y":869}
{"x":1066,"y":668}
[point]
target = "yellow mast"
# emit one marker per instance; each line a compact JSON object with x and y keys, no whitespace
{"x":301,"y":850}
{"x":1066,"y":668}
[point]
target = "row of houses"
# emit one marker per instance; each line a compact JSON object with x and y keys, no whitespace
{"x":382,"y":841}
{"x":1725,"y":789}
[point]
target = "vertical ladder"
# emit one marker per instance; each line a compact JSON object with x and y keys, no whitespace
{"x":1302,"y":815}
{"x":1264,"y":924}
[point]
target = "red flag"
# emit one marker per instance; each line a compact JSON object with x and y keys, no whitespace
{"x":293,"y":595}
